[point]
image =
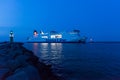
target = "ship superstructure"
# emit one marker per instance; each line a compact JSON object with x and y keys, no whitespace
{"x":53,"y":36}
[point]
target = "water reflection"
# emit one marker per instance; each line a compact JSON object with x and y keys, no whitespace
{"x":56,"y":49}
{"x":43,"y":51}
{"x":44,"y":45}
{"x":44,"y":48}
{"x":50,"y":53}
{"x":35,"y":47}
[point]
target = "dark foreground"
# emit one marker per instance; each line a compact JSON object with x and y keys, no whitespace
{"x":18,"y":63}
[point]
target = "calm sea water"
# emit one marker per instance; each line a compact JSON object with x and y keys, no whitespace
{"x":91,"y":61}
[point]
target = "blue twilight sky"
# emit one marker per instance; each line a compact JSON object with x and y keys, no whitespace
{"x":99,"y":19}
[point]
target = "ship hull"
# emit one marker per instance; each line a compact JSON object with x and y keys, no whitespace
{"x":56,"y":42}
{"x":79,"y":41}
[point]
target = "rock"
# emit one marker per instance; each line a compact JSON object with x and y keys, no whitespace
{"x":5,"y":60}
{"x":13,"y":64}
{"x":32,"y":72}
{"x":21,"y":75}
{"x":22,"y":59}
{"x":3,"y":72}
{"x":18,"y":62}
{"x":25,"y":73}
{"x":16,"y":53}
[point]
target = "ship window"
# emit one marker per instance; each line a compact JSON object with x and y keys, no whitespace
{"x":56,"y":36}
{"x":44,"y":36}
{"x":59,"y":36}
{"x":53,"y":36}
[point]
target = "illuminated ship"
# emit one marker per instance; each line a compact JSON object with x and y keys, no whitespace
{"x":55,"y":37}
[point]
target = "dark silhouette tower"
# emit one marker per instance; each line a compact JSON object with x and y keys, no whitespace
{"x":11,"y":36}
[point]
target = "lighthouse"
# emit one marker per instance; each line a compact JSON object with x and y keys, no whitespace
{"x":11,"y":36}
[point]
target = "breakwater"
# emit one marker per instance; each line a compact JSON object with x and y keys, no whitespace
{"x":18,"y":63}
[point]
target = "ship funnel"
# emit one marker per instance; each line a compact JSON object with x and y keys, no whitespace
{"x":35,"y":33}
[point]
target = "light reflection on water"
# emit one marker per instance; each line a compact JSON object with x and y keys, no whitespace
{"x":35,"y":48}
{"x":50,"y":53}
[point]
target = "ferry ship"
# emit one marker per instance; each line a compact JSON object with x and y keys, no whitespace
{"x":55,"y":37}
